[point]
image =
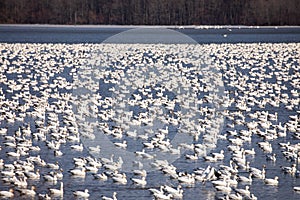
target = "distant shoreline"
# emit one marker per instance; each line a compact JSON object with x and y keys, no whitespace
{"x":146,"y":26}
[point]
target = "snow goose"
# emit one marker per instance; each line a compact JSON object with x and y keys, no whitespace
{"x":101,"y":176}
{"x":16,"y":154}
{"x":50,"y":178}
{"x":228,"y":168}
{"x":289,"y":170}
{"x":225,"y":189}
{"x":222,"y":182}
{"x":44,"y":196}
{"x":95,"y":149}
{"x":8,"y":173}
{"x":162,"y":196}
{"x":296,"y":188}
{"x":92,"y":169}
{"x":192,"y":157}
{"x":79,"y":162}
{"x":177,"y":150}
{"x":210,"y":158}
{"x":32,"y":175}
{"x":81,"y":194}
{"x":243,"y":192}
{"x":271,"y":157}
{"x":7,"y":194}
{"x":120,"y":178}
{"x":77,"y":147}
{"x":219,"y":156}
{"x":233,"y":182}
{"x":164,"y":131}
{"x":170,"y":170}
{"x":94,"y":162}
{"x":272,"y":181}
{"x":3,"y":131}
{"x":176,"y":193}
{"x":250,"y":151}
{"x":114,"y":197}
{"x":108,"y":161}
{"x":149,"y":145}
{"x":245,"y":179}
{"x":243,"y":166}
{"x":58,"y":173}
{"x":111,"y":167}
{"x":132,"y":134}
{"x":235,"y":196}
{"x":143,"y":137}
{"x":142,"y":173}
{"x":57,"y":192}
{"x":259,"y":174}
{"x":28,"y":192}
{"x":284,"y":145}
{"x":187,"y":179}
{"x":154,"y":191}
{"x":78,"y":172}
{"x":53,"y":165}
{"x":58,"y":153}
{"x":141,"y":182}
{"x":121,"y":144}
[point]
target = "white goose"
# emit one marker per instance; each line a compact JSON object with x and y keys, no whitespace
{"x":257,"y":173}
{"x":28,"y":192}
{"x":114,"y":197}
{"x":53,"y":165}
{"x":192,"y":157}
{"x":243,"y":192}
{"x":78,"y":172}
{"x":140,"y":172}
{"x":250,"y":151}
{"x":95,"y":149}
{"x":22,"y":182}
{"x":272,"y":181}
{"x":120,"y":178}
{"x":57,"y":192}
{"x":82,"y":194}
{"x":177,"y":193}
{"x":187,"y":179}
{"x":16,"y":154}
{"x":221,"y":188}
{"x":7,"y":194}
{"x":289,"y":170}
{"x":162,"y":196}
{"x":235,"y":196}
{"x":296,"y":188}
{"x":221,"y":182}
{"x":154,"y":191}
{"x":219,"y":156}
{"x":141,"y":182}
{"x":121,"y":144}
{"x":245,"y":179}
{"x":50,"y":178}
{"x":77,"y":147}
{"x":271,"y":157}
{"x":101,"y":176}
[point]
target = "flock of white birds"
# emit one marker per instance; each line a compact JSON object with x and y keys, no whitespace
{"x":119,"y":113}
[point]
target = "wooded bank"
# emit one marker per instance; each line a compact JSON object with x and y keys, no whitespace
{"x":151,"y":12}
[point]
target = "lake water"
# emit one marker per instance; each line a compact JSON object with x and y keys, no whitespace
{"x":227,"y":39}
{"x":94,"y":34}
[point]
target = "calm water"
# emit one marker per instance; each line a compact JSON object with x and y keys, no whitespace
{"x":73,"y":34}
{"x":11,"y":34}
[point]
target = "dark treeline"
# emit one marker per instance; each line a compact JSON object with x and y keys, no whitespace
{"x":151,"y":12}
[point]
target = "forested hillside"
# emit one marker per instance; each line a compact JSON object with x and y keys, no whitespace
{"x":151,"y":12}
